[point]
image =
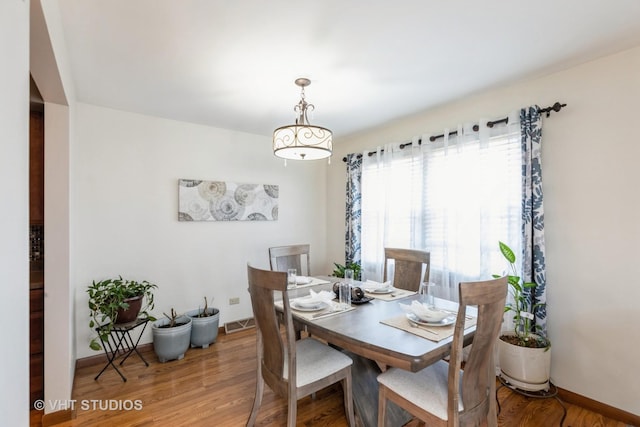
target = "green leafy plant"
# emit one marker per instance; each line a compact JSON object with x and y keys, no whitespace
{"x":521,"y":307}
{"x":339,"y":270}
{"x":108,"y":296}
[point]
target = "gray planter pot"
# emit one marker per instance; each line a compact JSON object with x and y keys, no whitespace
{"x":171,"y":343}
{"x":204,"y":330}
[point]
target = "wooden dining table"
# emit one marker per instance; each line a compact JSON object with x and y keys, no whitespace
{"x":375,"y":346}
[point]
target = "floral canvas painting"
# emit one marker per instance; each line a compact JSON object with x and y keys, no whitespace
{"x":226,"y":201}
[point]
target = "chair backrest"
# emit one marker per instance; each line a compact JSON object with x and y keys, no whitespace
{"x":408,"y":267}
{"x":489,"y":296}
{"x":273,"y":348}
{"x":282,"y":258}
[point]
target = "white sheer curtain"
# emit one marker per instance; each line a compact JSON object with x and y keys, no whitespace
{"x":392,"y":192}
{"x":455,"y":197}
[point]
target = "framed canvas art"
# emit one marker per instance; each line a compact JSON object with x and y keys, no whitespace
{"x":226,"y":201}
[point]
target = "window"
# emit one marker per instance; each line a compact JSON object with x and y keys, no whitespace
{"x":456,"y":197}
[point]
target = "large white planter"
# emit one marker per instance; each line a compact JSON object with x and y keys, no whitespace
{"x":171,"y":343}
{"x":523,"y":367}
{"x":204,"y":330}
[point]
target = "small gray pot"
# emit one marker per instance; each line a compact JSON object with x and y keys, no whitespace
{"x":171,"y":343}
{"x":204,"y":330}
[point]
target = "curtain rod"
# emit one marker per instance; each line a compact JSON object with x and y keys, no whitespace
{"x":555,"y":107}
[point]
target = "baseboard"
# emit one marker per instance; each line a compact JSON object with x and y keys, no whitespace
{"x":58,"y":417}
{"x":599,"y":407}
{"x":101,"y":359}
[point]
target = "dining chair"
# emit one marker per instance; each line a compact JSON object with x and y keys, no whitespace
{"x":442,"y":394}
{"x":292,"y":369}
{"x":411,"y":267}
{"x":282,"y":258}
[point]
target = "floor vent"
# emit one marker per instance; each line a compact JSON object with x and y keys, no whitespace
{"x":239,"y":325}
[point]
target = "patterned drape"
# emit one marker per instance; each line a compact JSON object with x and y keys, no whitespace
{"x":533,"y":248}
{"x":353,"y":209}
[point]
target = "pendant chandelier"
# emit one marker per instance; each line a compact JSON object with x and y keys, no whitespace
{"x":302,"y":141}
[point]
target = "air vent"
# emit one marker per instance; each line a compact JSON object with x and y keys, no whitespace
{"x":239,"y":325}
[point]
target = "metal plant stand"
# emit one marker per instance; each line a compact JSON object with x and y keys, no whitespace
{"x":121,"y":342}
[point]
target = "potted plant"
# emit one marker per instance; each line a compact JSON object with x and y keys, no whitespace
{"x":524,"y":353}
{"x":339,"y":270}
{"x":171,"y":336}
{"x":204,"y":325}
{"x":117,"y":301}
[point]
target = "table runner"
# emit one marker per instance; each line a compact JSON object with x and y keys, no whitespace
{"x":433,"y":333}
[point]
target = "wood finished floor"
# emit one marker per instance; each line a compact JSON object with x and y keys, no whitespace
{"x":215,"y":387}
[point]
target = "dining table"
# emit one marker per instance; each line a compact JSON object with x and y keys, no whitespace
{"x":365,"y":333}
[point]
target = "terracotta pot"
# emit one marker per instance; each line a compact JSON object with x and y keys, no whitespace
{"x":130,"y":314}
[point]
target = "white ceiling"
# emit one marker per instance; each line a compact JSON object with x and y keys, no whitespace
{"x":232,"y":63}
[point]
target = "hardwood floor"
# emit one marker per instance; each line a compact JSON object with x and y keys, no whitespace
{"x":215,"y":387}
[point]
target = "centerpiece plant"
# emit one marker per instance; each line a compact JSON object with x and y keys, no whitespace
{"x":114,"y":301}
{"x":339,"y":270}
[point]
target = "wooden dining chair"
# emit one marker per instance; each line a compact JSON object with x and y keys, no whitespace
{"x":292,"y":369}
{"x":411,"y":267}
{"x":442,"y":394}
{"x":282,"y":258}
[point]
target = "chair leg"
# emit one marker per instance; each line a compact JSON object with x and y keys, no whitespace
{"x":492,"y":416}
{"x":292,"y":412}
{"x":257,"y":401}
{"x":382,"y":404}
{"x":347,"y":390}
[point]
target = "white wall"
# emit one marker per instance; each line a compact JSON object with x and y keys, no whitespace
{"x":590,"y":154}
{"x":14,"y":215}
{"x":48,"y":66}
{"x":125,"y":186}
{"x":59,"y":310}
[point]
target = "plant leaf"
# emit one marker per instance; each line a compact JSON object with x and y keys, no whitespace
{"x":507,"y":253}
{"x":94,"y":345}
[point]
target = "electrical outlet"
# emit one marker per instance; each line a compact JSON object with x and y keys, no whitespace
{"x":233,"y":301}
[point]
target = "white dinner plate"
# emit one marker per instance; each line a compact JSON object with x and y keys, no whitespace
{"x":307,"y":306}
{"x":449,"y":320}
{"x":380,"y":291}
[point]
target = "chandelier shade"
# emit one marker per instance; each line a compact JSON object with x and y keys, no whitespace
{"x":302,"y":141}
